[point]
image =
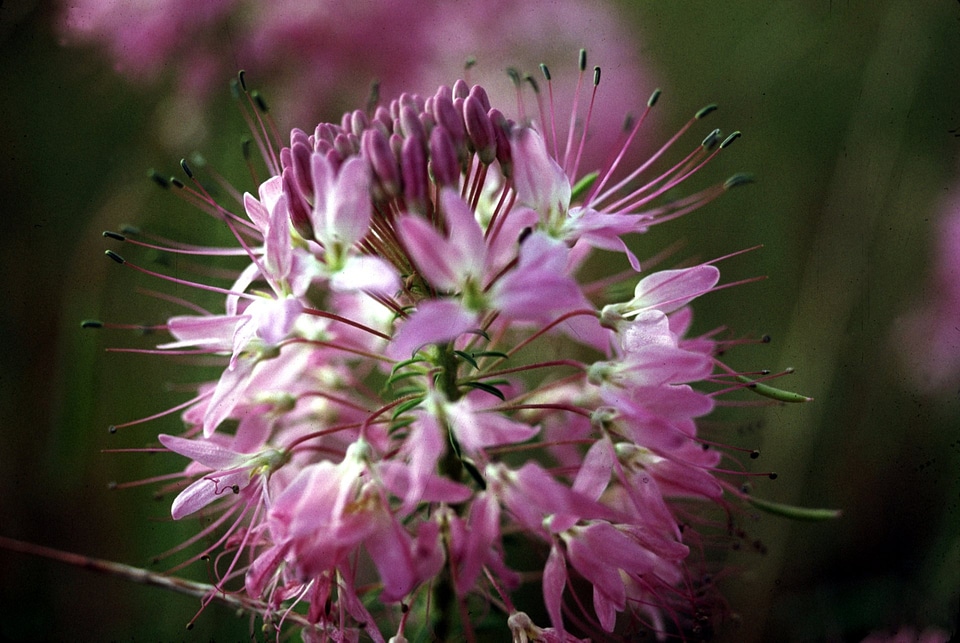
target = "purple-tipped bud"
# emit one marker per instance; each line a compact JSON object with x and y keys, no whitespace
{"x":325,"y":132}
{"x":334,"y":158}
{"x":299,"y":214}
{"x":358,"y":122}
{"x":427,"y":122}
{"x":444,"y":91}
{"x":298,"y":136}
{"x":480,"y":130}
{"x":450,"y":118}
{"x":413,"y":168}
{"x":285,"y":158}
{"x":382,"y":116}
{"x":443,"y":159}
{"x":460,"y":89}
{"x":412,"y":101}
{"x":376,"y":149}
{"x":300,"y":164}
{"x":396,"y":144}
{"x":410,"y":125}
{"x":480,"y":94}
{"x":346,"y":144}
{"x":501,"y":130}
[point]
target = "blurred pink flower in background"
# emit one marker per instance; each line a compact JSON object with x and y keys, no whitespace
{"x":317,"y":59}
{"x":928,"y":337}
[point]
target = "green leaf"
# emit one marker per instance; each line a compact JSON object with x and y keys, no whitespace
{"x":393,"y":379}
{"x":468,"y":358}
{"x":490,"y":354}
{"x":795,"y":513}
{"x":407,"y":362}
{"x":773,"y":393}
{"x":405,"y":406}
{"x":483,"y":386}
{"x":583,"y":185}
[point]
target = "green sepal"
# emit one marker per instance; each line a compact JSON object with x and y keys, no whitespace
{"x":773,"y":393}
{"x":583,"y":185}
{"x":794,"y":513}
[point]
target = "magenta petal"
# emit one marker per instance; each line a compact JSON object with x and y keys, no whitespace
{"x":390,"y":548}
{"x":594,"y":474}
{"x":230,"y":389}
{"x":433,"y":322}
{"x":205,"y":490}
{"x":205,"y":452}
{"x":439,"y":260}
{"x":669,"y":290}
{"x":554,"y":580}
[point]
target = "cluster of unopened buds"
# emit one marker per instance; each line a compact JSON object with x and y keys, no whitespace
{"x":426,"y":401}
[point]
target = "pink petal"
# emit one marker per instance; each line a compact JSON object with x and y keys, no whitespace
{"x":669,"y":290}
{"x":432,"y":322}
{"x":207,"y":453}
{"x":554,"y":580}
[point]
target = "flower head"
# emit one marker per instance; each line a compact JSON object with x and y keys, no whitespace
{"x":416,"y":373}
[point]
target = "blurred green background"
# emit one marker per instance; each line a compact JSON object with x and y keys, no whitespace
{"x":846,"y":109}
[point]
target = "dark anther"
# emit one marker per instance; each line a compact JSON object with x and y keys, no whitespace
{"x":235,"y":489}
{"x":709,"y":109}
{"x":129,"y":230}
{"x":112,"y":485}
{"x":514,"y":76}
{"x":189,"y":626}
{"x":583,"y":60}
{"x":526,"y":232}
{"x":727,"y":142}
{"x":186,"y":168}
{"x":766,"y":339}
{"x":737,"y":180}
{"x":242,"y":78}
{"x":245,"y":148}
{"x":654,"y":97}
{"x":545,"y":71}
{"x":533,"y":83}
{"x":596,"y":76}
{"x":175,"y":182}
{"x":773,"y":475}
{"x":404,"y":608}
{"x":91,"y":323}
{"x":261,"y":103}
{"x":113,"y":255}
{"x":111,"y":429}
{"x":157,"y":178}
{"x":710,"y":141}
{"x":114,"y":235}
{"x":755,"y":454}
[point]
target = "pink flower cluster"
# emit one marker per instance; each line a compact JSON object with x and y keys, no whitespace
{"x":418,"y":372}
